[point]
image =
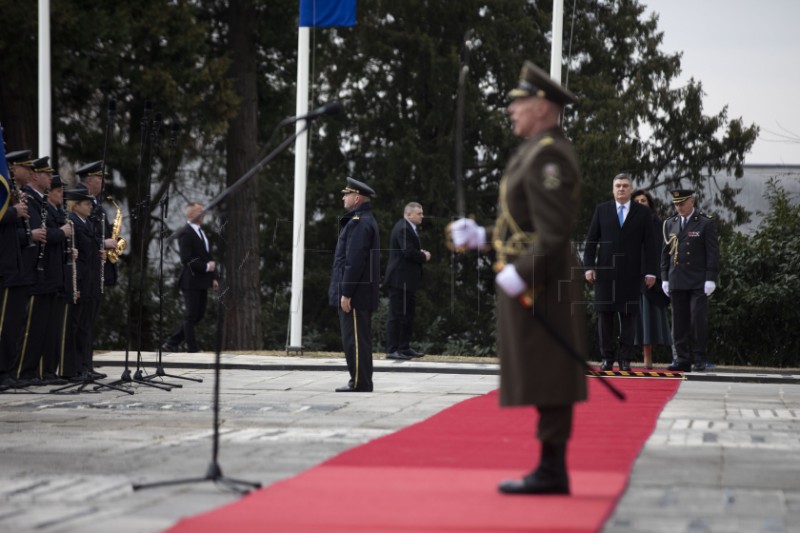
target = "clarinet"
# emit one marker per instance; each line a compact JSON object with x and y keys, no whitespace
{"x":71,"y":258}
{"x":43,"y":214}
{"x":102,"y":249}
{"x":20,"y":196}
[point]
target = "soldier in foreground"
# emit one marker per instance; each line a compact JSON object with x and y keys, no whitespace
{"x":538,"y":209}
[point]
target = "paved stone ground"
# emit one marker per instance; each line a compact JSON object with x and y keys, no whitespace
{"x":724,"y":456}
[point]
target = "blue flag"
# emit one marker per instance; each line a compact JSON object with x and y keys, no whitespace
{"x":327,"y":13}
{"x":5,"y":190}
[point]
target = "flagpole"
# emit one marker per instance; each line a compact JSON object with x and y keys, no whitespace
{"x":45,"y":107}
{"x":300,"y":179}
{"x":558,"y":40}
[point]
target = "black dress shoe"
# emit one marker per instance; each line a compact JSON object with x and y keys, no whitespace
{"x":624,"y":365}
{"x":52,"y":379}
{"x":398,"y":355}
{"x":606,"y":365}
{"x":97,"y":375}
{"x":678,"y":366}
{"x":412,"y":353}
{"x":350,"y":388}
{"x":699,"y":367}
{"x":167,"y":347}
{"x":535,"y":483}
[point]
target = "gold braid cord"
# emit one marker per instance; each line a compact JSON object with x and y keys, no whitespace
{"x":508,"y":239}
{"x":672,"y":242}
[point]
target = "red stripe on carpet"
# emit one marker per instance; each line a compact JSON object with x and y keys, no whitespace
{"x":441,"y":474}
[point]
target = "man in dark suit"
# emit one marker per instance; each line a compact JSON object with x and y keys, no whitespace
{"x":689,"y":270}
{"x":403,"y":276}
{"x":198,"y":275}
{"x":619,"y":231}
{"x":355,"y":282}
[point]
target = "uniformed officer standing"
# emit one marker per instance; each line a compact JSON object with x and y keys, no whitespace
{"x":538,"y":200}
{"x":17,"y":295}
{"x":92,"y":179}
{"x":48,"y":280}
{"x":10,"y":265}
{"x":689,"y":270}
{"x":355,"y":282}
{"x":80,"y":321}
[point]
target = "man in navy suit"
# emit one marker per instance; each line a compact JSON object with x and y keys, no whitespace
{"x":619,"y":230}
{"x":198,"y":275}
{"x":403,"y":275}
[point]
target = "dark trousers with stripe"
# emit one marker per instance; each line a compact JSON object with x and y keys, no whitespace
{"x":690,"y":324}
{"x":356,"y":327}
{"x":39,"y":326}
{"x":56,"y":340}
{"x":13,"y":310}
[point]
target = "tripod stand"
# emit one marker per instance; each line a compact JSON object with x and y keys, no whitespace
{"x":214,"y":472}
{"x":159,"y":365}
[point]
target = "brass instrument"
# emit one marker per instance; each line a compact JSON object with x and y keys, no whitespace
{"x":115,"y":253}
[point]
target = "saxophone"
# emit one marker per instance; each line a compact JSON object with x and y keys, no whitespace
{"x":115,"y":253}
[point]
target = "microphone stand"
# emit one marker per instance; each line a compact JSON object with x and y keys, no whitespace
{"x":138,"y":214}
{"x":214,"y":472}
{"x":160,"y":373}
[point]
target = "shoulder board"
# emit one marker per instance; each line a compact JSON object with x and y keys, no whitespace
{"x":546,"y":140}
{"x":356,"y":217}
{"x":706,"y":216}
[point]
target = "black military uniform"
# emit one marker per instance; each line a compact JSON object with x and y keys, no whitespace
{"x":48,"y":281}
{"x":17,"y":293}
{"x":80,"y":321}
{"x":103,"y":224}
{"x":689,"y":270}
{"x":11,"y":313}
{"x":356,"y":278}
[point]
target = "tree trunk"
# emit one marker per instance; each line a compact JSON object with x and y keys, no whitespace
{"x":241,"y":262}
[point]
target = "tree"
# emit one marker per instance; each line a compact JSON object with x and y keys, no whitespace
{"x":752,"y":312}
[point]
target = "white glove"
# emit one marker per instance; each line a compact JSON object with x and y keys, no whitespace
{"x":466,"y":233}
{"x":510,"y":281}
{"x":665,"y":287}
{"x":709,"y":287}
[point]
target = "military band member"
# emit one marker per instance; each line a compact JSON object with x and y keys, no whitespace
{"x":538,"y":201}
{"x":10,"y":265}
{"x":92,"y":179}
{"x":355,"y":282}
{"x":17,"y":294}
{"x":80,"y":321}
{"x":689,"y":270}
{"x":48,"y":281}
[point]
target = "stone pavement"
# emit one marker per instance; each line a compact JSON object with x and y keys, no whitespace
{"x":724,"y":456}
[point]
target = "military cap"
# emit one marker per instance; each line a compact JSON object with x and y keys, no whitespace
{"x":19,"y":157}
{"x":41,"y":165}
{"x":680,"y":195}
{"x":56,"y":183}
{"x":90,"y":169}
{"x":359,"y":187}
{"x":77,"y":194}
{"x":533,"y":81}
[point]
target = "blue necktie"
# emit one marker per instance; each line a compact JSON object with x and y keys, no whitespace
{"x":621,"y":216}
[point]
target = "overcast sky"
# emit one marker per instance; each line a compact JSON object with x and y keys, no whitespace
{"x":747,"y":55}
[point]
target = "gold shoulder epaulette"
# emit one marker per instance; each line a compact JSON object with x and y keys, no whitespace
{"x":546,"y":140}
{"x":356,"y":217}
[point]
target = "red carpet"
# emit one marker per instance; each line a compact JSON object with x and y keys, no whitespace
{"x":441,"y":474}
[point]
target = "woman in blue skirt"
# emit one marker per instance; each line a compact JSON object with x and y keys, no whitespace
{"x":653,"y":326}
